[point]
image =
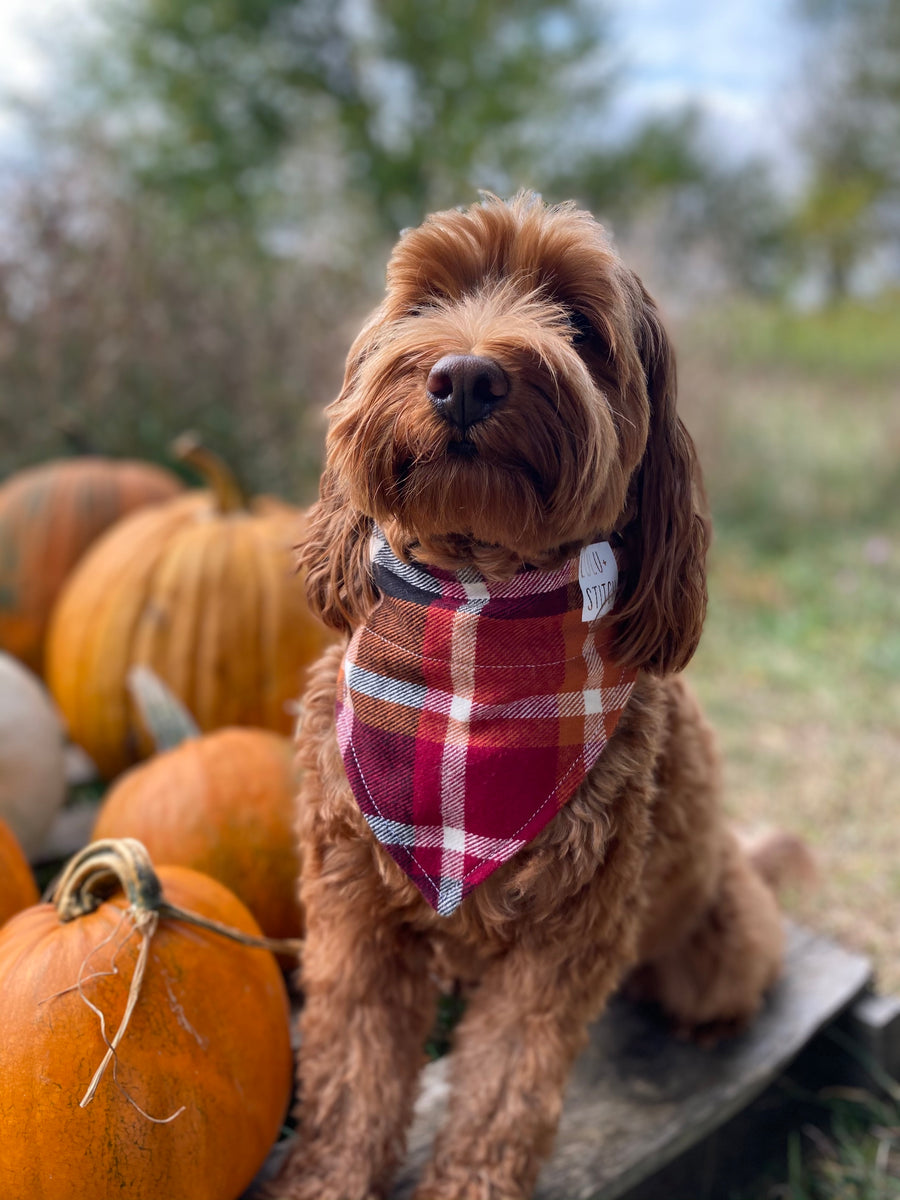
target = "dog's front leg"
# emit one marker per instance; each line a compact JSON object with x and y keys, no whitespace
{"x":369,"y":1004}
{"x":514,"y":1049}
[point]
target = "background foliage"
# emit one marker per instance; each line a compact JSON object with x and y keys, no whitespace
{"x":221,"y":181}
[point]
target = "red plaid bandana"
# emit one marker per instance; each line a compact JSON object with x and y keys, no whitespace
{"x":468,"y":711}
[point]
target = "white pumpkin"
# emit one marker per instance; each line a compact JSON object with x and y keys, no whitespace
{"x":32,"y":765}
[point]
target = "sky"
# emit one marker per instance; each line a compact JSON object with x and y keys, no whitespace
{"x":26,"y":28}
{"x":22,"y":62}
{"x":734,"y":59}
{"x":737,"y":59}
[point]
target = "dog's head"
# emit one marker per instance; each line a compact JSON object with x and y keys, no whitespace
{"x":511,"y":400}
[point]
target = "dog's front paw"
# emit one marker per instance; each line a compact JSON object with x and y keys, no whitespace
{"x":294,"y":1182}
{"x":468,"y":1185}
{"x":309,"y":1189}
{"x":312,"y":1193}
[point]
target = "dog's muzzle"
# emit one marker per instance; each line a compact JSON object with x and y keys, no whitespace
{"x":464,"y":389}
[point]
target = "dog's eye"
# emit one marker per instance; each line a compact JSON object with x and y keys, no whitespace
{"x":582,"y":329}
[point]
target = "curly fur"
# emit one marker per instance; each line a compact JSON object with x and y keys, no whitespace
{"x":638,"y":877}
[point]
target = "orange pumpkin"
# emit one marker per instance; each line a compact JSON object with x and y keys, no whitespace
{"x":222,"y":804}
{"x":203,"y":591}
{"x":49,"y":515}
{"x":207,"y":1039}
{"x":17,"y":887}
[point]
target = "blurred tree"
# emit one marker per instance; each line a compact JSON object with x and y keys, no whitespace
{"x":121,"y":326}
{"x":660,"y":154}
{"x":235,"y":108}
{"x":851,"y":138}
{"x":322,"y":126}
{"x":141,"y":293}
{"x":725,"y":215}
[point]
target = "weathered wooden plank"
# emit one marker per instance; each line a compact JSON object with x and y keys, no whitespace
{"x":639,"y":1098}
{"x":874,"y":1024}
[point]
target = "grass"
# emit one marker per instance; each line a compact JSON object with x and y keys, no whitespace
{"x":797,"y":421}
{"x":847,"y":1148}
{"x":858,"y":340}
{"x":799,"y":668}
{"x":858,"y":1156}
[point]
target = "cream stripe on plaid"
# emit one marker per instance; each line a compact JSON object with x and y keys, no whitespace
{"x":399,"y":833}
{"x":591,"y":702}
{"x":453,"y":763}
{"x":592,"y":699}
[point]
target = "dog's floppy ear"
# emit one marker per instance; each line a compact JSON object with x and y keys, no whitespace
{"x":333,"y":551}
{"x":663,"y":602}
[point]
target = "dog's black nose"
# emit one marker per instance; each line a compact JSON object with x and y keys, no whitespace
{"x":464,"y":388}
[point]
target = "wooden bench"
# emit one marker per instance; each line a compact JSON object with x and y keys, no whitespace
{"x":640,"y":1103}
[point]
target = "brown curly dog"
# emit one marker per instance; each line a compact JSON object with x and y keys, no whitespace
{"x":511,"y":402}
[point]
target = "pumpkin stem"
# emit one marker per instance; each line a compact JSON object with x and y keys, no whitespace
{"x":77,"y":439}
{"x":164,"y":715}
{"x":123,"y":864}
{"x":276,"y":945}
{"x":215,"y":472}
{"x":102,"y":869}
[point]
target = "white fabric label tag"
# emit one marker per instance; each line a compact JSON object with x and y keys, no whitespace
{"x":598,"y":574}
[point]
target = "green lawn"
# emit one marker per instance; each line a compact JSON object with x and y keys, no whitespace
{"x":797,"y":419}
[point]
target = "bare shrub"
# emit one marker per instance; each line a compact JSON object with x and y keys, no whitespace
{"x":119,"y":328}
